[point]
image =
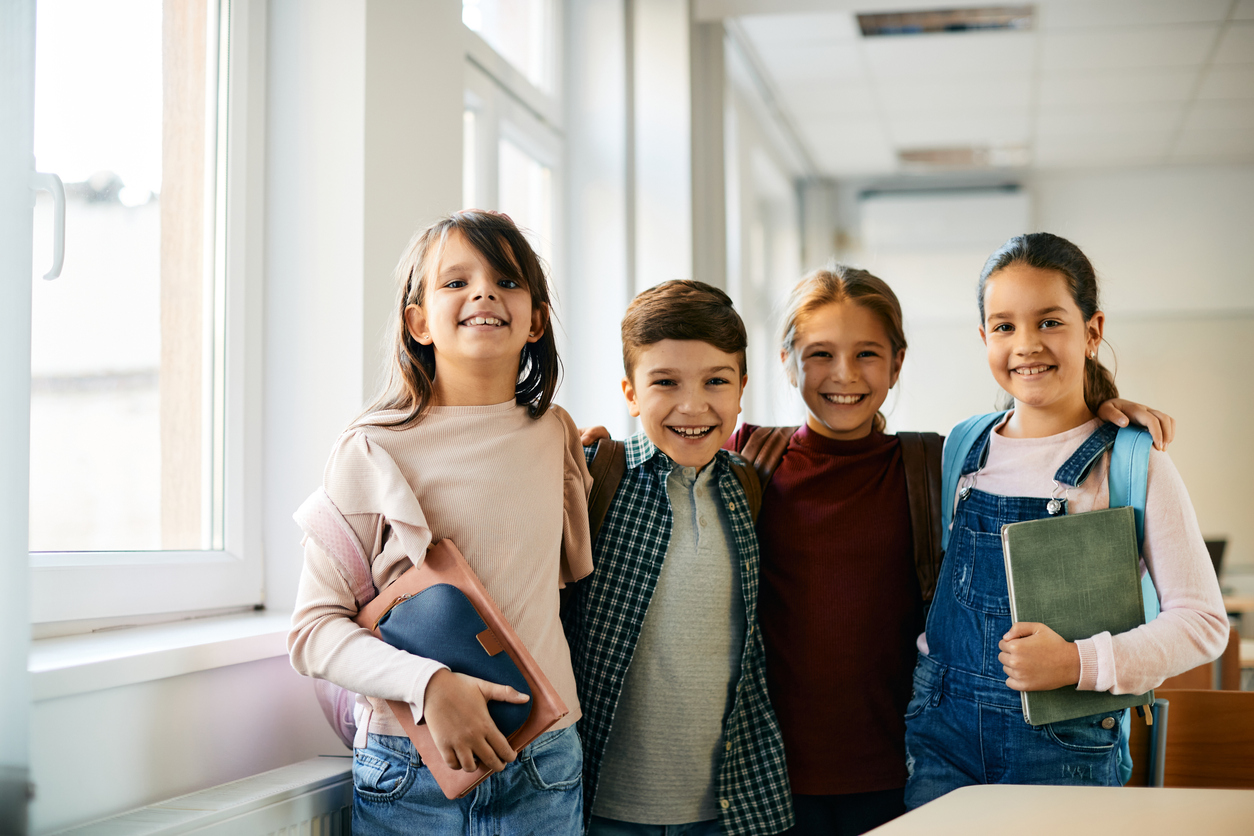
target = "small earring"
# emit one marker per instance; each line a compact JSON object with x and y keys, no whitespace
{"x":531,"y":333}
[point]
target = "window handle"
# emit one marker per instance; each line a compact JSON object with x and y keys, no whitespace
{"x":43,"y":182}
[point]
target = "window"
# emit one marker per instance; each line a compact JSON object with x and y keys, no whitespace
{"x":512,"y":127}
{"x":139,"y":408}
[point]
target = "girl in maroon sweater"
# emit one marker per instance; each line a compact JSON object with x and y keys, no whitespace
{"x":840,"y":605}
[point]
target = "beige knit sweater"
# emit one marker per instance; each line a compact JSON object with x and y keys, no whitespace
{"x":510,"y":491}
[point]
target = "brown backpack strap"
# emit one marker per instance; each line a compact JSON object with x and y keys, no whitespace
{"x":765,"y":449}
{"x":609,"y":464}
{"x":921,"y":455}
{"x":748,"y":479}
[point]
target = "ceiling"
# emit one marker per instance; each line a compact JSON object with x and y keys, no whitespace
{"x":1093,"y":83}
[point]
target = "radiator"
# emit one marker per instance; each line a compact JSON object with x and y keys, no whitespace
{"x":310,"y":798}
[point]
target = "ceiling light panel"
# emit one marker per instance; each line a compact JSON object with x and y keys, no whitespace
{"x":945,"y":21}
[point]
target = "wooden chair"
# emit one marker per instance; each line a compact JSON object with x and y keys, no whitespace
{"x":1210,"y":739}
{"x":1203,"y":676}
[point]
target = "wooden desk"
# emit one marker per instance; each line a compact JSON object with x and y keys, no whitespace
{"x":1004,"y":809}
{"x":1242,"y":605}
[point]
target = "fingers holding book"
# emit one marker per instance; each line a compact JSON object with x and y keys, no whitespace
{"x":456,"y":713}
{"x":1035,"y":658}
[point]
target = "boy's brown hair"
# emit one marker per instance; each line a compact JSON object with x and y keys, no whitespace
{"x":682,"y":310}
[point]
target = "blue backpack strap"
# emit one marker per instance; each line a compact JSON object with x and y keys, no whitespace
{"x":957,"y":446}
{"x":1129,"y":485}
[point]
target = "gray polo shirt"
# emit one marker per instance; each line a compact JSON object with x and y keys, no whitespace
{"x":662,"y":757}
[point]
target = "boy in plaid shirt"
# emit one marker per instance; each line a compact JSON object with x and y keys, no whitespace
{"x":677,"y":726}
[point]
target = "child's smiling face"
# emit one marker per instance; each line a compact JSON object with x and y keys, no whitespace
{"x":471,"y":313}
{"x":1037,"y":338}
{"x":687,"y":395}
{"x":844,"y":367}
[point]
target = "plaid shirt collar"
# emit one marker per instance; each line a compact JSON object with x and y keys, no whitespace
{"x":604,"y":624}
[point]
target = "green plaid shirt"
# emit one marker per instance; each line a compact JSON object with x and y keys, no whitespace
{"x":603,"y":624}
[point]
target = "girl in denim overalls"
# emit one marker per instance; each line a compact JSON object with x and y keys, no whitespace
{"x":1042,"y":327}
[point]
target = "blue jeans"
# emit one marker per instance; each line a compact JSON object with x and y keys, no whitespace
{"x":540,"y":792}
{"x":614,"y":827}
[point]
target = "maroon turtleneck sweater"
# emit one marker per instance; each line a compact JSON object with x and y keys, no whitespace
{"x":839,"y":609}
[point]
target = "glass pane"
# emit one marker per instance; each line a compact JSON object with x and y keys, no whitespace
{"x":122,"y":346}
{"x":470,"y":160}
{"x":526,"y":195}
{"x":520,"y":30}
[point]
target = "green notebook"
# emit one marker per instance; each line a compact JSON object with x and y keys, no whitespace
{"x":1080,"y":575}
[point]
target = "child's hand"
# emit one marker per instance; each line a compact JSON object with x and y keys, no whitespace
{"x":456,"y":711}
{"x":1161,"y":426}
{"x":591,"y":435}
{"x":1035,"y":658}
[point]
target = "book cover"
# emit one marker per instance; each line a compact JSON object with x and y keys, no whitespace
{"x":1079,"y":574}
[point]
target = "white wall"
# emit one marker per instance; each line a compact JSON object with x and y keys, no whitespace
{"x":1178,"y":291}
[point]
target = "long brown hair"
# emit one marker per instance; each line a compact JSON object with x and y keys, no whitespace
{"x":411,"y":371}
{"x":1045,"y":251}
{"x":841,"y":283}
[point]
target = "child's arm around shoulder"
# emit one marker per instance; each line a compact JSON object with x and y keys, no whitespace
{"x":576,"y":485}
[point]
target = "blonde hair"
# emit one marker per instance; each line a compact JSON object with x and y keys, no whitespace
{"x":411,"y":372}
{"x":841,"y":283}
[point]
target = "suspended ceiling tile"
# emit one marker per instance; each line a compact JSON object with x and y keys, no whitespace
{"x":805,"y":99}
{"x":1237,"y":45}
{"x":1089,"y":87}
{"x":1244,"y":10}
{"x":1221,"y":116}
{"x":1115,"y":149}
{"x":848,"y":146}
{"x":951,"y":54}
{"x":1155,"y":46}
{"x":1094,"y":121}
{"x":1074,"y":14}
{"x":1213,"y":146}
{"x":811,"y":62}
{"x":1231,"y":81}
{"x":990,"y":92}
{"x":789,"y":30}
{"x":959,"y":128}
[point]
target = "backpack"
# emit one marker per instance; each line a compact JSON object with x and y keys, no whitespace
{"x":1129,"y":485}
{"x":921,"y":455}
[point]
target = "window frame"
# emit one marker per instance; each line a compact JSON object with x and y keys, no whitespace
{"x":79,"y":586}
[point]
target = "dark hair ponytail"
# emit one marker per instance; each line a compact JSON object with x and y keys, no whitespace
{"x":1045,"y":251}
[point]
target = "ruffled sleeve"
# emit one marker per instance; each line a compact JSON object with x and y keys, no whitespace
{"x":577,"y":483}
{"x":362,"y":479}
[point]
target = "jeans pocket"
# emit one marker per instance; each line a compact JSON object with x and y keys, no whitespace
{"x":927,"y":688}
{"x":1085,"y":735}
{"x":383,"y":771}
{"x":554,"y":761}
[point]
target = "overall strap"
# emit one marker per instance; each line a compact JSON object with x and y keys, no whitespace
{"x":609,"y":464}
{"x":1076,"y":468}
{"x":961,"y":448}
{"x":765,"y":450}
{"x":921,"y":456}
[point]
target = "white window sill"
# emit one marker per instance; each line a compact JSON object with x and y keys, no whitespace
{"x":68,"y":665}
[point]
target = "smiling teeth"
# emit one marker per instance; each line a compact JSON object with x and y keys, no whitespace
{"x":843,"y":399}
{"x":691,"y":432}
{"x":484,"y":320}
{"x":1029,"y":371}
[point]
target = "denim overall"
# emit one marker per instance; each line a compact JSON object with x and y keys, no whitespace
{"x":964,"y":725}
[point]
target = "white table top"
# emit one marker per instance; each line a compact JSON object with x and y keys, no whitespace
{"x":1075,"y":811}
